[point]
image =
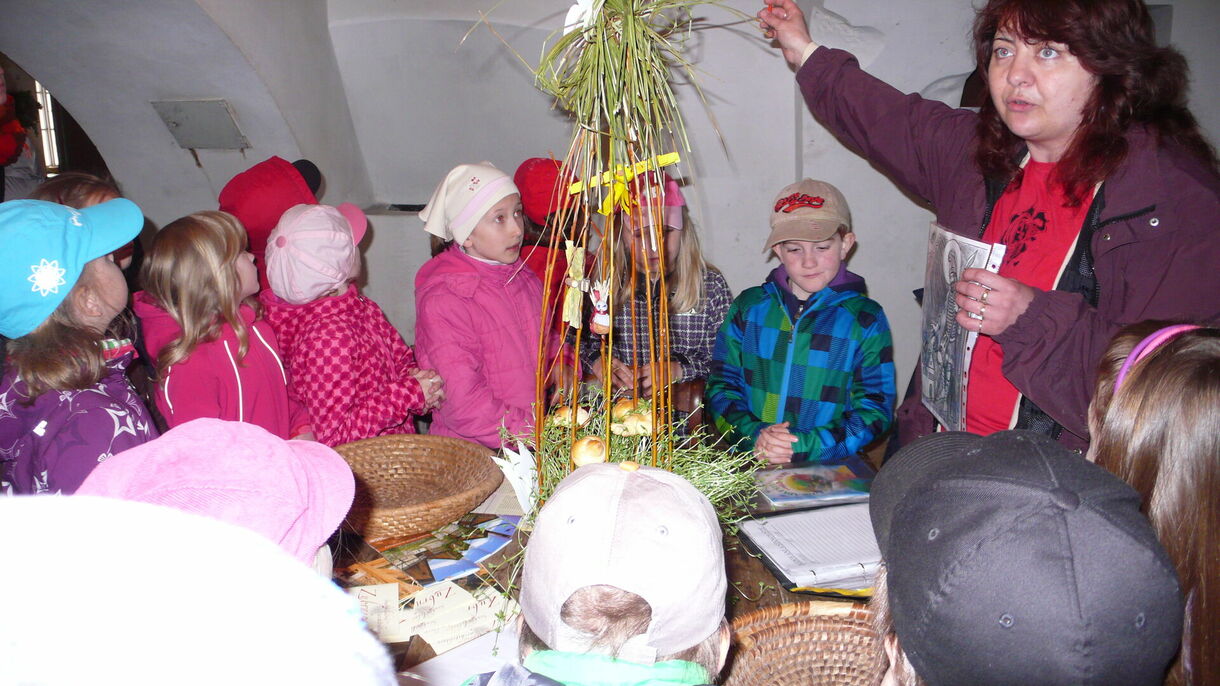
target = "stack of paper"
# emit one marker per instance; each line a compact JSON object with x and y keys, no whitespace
{"x":825,"y":549}
{"x":444,"y":614}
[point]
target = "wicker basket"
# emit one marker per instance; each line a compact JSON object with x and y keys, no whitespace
{"x":818,"y":642}
{"x":411,"y":484}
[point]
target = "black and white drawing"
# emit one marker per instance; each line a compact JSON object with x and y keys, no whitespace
{"x":946,"y":346}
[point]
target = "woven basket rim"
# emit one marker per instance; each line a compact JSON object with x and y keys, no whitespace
{"x":790,"y":643}
{"x":368,"y":458}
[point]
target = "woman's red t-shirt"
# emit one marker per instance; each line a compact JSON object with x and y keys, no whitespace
{"x":1040,"y":232}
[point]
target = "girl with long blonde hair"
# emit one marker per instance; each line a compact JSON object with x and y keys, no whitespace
{"x":697,"y":297}
{"x":215,"y":356}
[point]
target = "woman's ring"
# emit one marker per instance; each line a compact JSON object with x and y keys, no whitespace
{"x":983,"y":311}
{"x":983,"y":299}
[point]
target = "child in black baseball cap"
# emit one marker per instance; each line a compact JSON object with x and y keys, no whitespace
{"x":1012,"y":560}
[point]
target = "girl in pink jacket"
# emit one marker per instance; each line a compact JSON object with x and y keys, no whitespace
{"x":478,"y":309}
{"x":347,"y":363}
{"x":215,"y":357}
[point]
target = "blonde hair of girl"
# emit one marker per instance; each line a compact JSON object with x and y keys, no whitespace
{"x":191,"y":272}
{"x":62,"y":353}
{"x":684,"y":281}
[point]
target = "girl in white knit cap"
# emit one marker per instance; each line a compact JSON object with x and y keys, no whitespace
{"x":478,"y":311}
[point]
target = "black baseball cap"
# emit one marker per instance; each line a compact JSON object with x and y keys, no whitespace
{"x":1012,"y":560}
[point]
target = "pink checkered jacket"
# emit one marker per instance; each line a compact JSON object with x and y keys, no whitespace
{"x":348,"y":364}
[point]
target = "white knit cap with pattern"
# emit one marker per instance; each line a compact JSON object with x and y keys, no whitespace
{"x":461,"y":200}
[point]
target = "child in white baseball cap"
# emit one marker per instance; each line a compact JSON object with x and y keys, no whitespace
{"x":624,"y":580}
{"x":347,"y":363}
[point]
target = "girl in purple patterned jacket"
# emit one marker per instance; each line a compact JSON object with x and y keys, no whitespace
{"x":65,"y":402}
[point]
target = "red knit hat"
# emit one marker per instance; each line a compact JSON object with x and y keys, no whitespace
{"x":538,"y":180}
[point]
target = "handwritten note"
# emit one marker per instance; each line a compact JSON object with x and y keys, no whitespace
{"x":444,"y":614}
{"x":378,"y":605}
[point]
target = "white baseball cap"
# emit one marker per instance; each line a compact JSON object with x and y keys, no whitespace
{"x":640,"y":529}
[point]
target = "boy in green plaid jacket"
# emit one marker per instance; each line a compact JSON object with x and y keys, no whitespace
{"x":803,"y":369}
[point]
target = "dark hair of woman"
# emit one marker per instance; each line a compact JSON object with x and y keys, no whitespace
{"x":1139,"y":84}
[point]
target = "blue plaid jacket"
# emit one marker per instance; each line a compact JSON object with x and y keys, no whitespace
{"x":825,"y":365}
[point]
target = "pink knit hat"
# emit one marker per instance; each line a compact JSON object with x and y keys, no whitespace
{"x":313,"y":251}
{"x":295,"y":493}
{"x":671,"y":203}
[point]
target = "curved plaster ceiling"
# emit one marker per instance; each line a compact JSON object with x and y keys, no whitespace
{"x":106,"y":61}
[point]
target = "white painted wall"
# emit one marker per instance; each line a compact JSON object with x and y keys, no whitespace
{"x":271,"y":60}
{"x":106,"y":61}
{"x":288,"y":45}
{"x":913,"y":45}
{"x":422,"y":103}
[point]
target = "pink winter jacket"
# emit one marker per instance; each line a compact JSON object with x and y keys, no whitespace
{"x":213,"y":382}
{"x":348,"y":364}
{"x":477,"y":326}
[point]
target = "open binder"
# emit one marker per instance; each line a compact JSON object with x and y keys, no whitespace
{"x":828,"y":551}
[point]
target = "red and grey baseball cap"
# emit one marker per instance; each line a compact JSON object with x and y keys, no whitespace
{"x":807,"y":211}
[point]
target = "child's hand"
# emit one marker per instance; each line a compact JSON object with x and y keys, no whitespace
{"x":675,"y":371}
{"x":774,"y":443}
{"x":620,"y":373}
{"x":433,"y":386}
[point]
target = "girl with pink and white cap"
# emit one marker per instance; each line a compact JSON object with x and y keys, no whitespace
{"x":345,"y":360}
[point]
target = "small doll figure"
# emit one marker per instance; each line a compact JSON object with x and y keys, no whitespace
{"x":577,"y":284}
{"x":600,"y":295}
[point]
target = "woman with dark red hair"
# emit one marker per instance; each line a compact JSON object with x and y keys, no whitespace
{"x":1084,"y":161}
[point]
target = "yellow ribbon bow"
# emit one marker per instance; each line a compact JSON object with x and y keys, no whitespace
{"x":619,"y":195}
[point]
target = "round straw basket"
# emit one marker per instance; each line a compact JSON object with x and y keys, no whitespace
{"x":819,"y":642}
{"x":411,"y":484}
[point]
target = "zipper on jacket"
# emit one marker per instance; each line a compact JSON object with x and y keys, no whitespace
{"x":795,"y":321}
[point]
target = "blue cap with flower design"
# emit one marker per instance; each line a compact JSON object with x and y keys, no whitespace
{"x":45,"y":249}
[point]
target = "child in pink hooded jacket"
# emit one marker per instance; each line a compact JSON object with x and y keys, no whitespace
{"x":215,"y":356}
{"x":479,"y":309}
{"x":346,"y":361}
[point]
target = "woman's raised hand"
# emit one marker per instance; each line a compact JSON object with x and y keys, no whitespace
{"x":784,"y":22}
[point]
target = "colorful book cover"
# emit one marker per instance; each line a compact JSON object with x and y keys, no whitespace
{"x":454,"y":551}
{"x":812,"y":484}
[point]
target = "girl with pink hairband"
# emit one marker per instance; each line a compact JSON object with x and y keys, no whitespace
{"x":1155,"y":422}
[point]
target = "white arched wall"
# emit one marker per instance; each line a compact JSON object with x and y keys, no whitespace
{"x":107,"y":61}
{"x":422,"y":101}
